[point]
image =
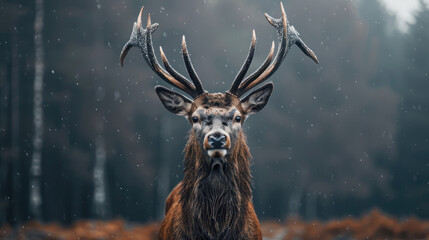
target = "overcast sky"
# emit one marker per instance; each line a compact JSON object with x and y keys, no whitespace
{"x":403,"y":9}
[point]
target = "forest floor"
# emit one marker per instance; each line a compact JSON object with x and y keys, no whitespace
{"x":374,"y":225}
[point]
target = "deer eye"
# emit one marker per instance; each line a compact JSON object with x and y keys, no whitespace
{"x":195,"y":119}
{"x":238,"y":118}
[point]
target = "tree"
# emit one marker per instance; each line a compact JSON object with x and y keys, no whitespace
{"x":412,"y":171}
{"x":39,"y":68}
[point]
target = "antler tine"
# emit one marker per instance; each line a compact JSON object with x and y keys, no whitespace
{"x":259,"y":71}
{"x":306,"y":50}
{"x":139,"y":18}
{"x":174,"y":73}
{"x":281,"y":26}
{"x":245,"y":67}
{"x":133,"y":38}
{"x":155,"y":65}
{"x":287,"y":36}
{"x":191,"y":71}
{"x":142,"y":38}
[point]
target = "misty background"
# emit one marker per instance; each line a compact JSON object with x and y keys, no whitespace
{"x":92,"y":140}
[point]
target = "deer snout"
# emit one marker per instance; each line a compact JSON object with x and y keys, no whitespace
{"x":217,"y":140}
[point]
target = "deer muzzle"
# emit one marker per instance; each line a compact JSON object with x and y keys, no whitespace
{"x":217,"y":143}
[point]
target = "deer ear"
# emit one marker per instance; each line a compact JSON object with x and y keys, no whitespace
{"x":173,"y":101}
{"x":256,"y":100}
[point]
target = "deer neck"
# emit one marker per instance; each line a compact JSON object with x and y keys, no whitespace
{"x":216,"y":201}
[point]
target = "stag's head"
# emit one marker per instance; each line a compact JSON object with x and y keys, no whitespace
{"x":216,"y":118}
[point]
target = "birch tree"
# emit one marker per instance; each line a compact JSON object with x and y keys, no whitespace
{"x":100,"y":201}
{"x":36,"y":169}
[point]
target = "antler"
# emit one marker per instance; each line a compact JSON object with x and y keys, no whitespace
{"x":142,"y":38}
{"x":287,"y":37}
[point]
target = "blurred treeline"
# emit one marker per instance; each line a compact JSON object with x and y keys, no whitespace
{"x":336,"y":139}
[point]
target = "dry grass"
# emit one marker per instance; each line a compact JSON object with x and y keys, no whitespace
{"x":372,"y":226}
{"x":375,"y":225}
{"x":82,"y":230}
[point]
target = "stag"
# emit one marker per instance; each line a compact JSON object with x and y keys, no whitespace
{"x":214,"y":199}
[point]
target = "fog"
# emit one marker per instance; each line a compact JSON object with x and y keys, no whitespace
{"x":336,"y":139}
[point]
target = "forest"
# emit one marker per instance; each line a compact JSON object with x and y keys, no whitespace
{"x":83,"y":138}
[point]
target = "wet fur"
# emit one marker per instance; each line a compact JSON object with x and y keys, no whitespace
{"x":212,"y":205}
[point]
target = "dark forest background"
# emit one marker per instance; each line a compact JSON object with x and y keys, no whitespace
{"x":336,"y":139}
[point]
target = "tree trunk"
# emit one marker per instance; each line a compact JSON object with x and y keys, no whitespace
{"x":295,"y":202}
{"x":4,"y":158}
{"x":99,"y":200}
{"x":163,"y":184}
{"x":15,"y":170}
{"x":36,"y":169}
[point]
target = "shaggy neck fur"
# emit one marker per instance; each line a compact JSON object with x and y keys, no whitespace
{"x":215,"y":203}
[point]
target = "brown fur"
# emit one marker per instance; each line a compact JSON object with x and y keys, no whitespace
{"x":219,"y":100}
{"x":203,"y":206}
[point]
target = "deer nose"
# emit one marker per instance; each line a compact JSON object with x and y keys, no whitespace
{"x":217,"y":140}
